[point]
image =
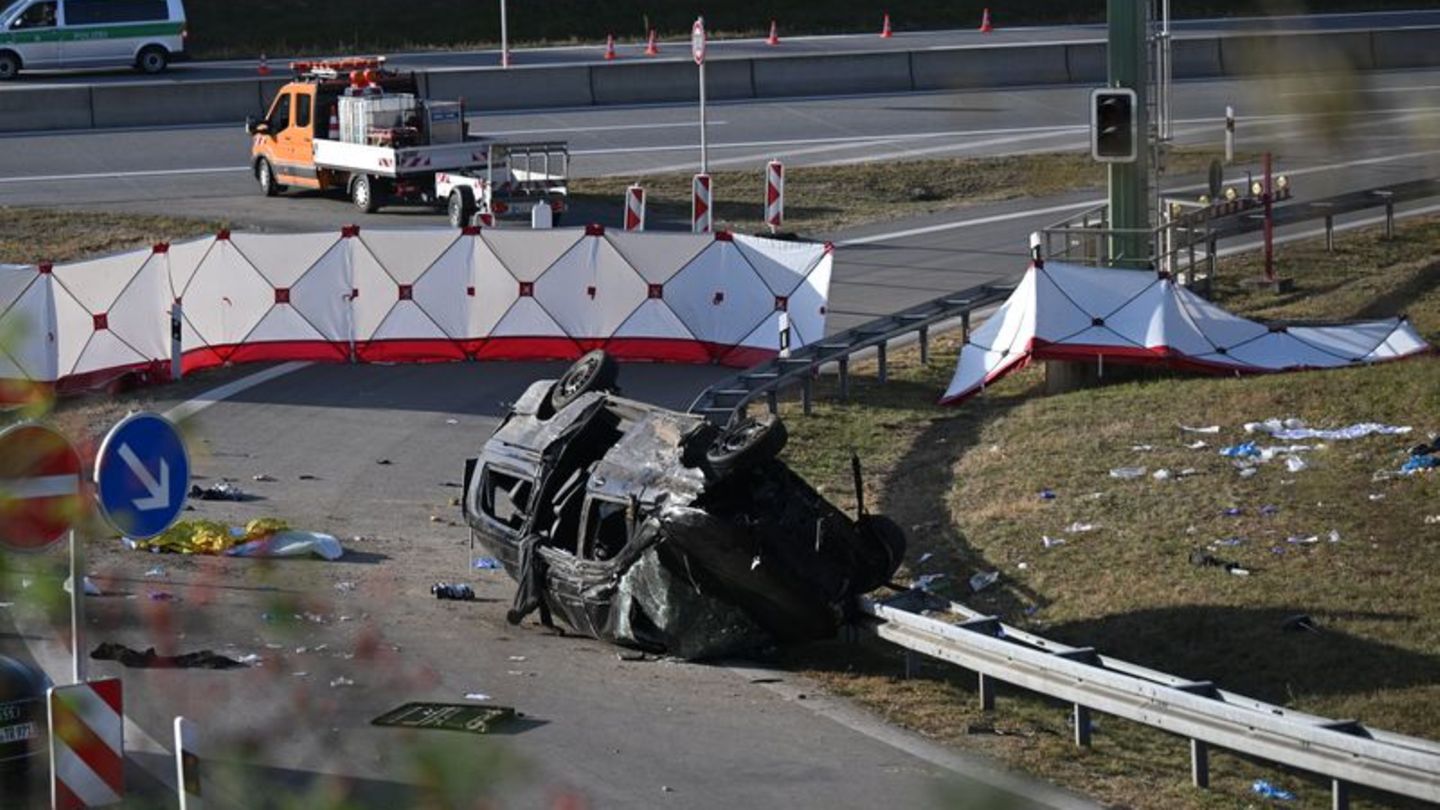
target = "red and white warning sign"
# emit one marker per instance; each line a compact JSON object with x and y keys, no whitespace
{"x":40,"y":494}
{"x":774,"y":194}
{"x":635,"y":208}
{"x":702,"y":219}
{"x":87,"y":745}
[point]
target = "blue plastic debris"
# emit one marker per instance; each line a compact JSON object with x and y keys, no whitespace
{"x":1047,"y":495}
{"x":1245,"y":450}
{"x":1417,"y":464}
{"x":1269,"y":791}
{"x":1234,"y":511}
{"x":487,"y":564}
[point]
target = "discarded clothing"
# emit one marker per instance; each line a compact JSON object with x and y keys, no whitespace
{"x":205,"y":659}
{"x":1295,"y":429}
{"x":457,"y":593}
{"x":291,"y":544}
{"x":218,"y":492}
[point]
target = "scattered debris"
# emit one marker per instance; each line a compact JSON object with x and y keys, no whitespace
{"x":983,"y":580}
{"x":1162,"y":475}
{"x":1047,"y":494}
{"x":487,"y":564}
{"x":1269,"y":510}
{"x":477,"y":696}
{"x":251,"y":660}
{"x":1228,"y":542}
{"x":1198,"y":444}
{"x":517,"y":658}
{"x":447,"y":717}
{"x":1303,"y":540}
{"x":341,"y":681}
{"x":1295,"y":429}
{"x":1200,"y":559}
{"x":634,"y":655}
{"x":1269,"y":791}
{"x":205,"y":659}
{"x":1080,"y":528}
{"x":1244,"y":450}
{"x":163,"y":596}
{"x":1051,"y":542}
{"x":924,"y":558}
{"x":459,"y":593}
{"x":1295,"y":464}
{"x":263,"y":478}
{"x":384,"y":462}
{"x":452,"y":421}
{"x":308,"y":477}
{"x":1209,"y":429}
{"x":1416,"y":464}
{"x":1142,"y":448}
{"x":1127,"y":473}
{"x":345,"y":587}
{"x":219,"y":492}
{"x":1431,"y":520}
{"x":1299,"y":623}
{"x":1233,"y":511}
{"x":1377,"y":496}
{"x":157,"y":571}
{"x":924,"y":582}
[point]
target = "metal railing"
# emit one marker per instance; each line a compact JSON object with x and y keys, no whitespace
{"x":1346,"y":751}
{"x":722,"y":402}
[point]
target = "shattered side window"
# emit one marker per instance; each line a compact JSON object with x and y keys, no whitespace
{"x":607,"y":529}
{"x":505,"y":497}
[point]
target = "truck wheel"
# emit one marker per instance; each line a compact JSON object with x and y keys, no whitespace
{"x":9,"y":65}
{"x":363,"y":192}
{"x":752,"y":442}
{"x":265,"y":176}
{"x":596,"y":371}
{"x":152,"y":59}
{"x":461,"y":207}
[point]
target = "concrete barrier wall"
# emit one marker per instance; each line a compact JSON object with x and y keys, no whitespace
{"x":516,"y":88}
{"x":230,"y":101}
{"x":833,"y":75}
{"x":1003,"y":66}
{"x":1406,"y":48}
{"x":640,"y":82}
{"x":29,"y":109}
{"x":141,"y":105}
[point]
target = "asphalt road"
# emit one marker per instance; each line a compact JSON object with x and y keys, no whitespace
{"x":619,"y":731}
{"x":679,"y":50}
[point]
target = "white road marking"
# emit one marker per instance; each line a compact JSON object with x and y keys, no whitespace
{"x":51,"y":178}
{"x":608,"y":128}
{"x":188,"y":409}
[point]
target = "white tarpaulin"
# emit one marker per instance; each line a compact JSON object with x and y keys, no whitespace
{"x":409,"y":295}
{"x":1065,"y":312}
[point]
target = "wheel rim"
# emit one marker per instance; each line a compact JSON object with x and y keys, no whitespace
{"x":576,"y":377}
{"x":741,"y":438}
{"x":455,"y":210}
{"x":7,"y":68}
{"x":266,"y":181}
{"x":362,"y":193}
{"x":152,"y":62}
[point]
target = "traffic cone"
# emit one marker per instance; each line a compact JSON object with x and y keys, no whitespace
{"x":652,"y":47}
{"x":609,"y":47}
{"x":264,"y":67}
{"x":774,"y":35}
{"x":985,"y":26}
{"x":885,"y":32}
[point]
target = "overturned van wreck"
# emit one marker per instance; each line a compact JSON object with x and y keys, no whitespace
{"x":657,"y":530}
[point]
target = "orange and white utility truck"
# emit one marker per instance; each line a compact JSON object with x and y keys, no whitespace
{"x":355,"y":126}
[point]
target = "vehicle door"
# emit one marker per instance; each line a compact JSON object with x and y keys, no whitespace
{"x":35,"y":34}
{"x":295,"y":144}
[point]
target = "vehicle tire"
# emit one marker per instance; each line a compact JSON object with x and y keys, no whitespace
{"x":596,"y":371}
{"x":364,"y":192}
{"x":9,"y":65}
{"x":752,"y":442}
{"x":461,"y":207}
{"x":153,"y":59}
{"x":265,"y":176}
{"x":885,"y":550}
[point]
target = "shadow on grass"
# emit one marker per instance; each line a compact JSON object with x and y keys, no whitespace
{"x":1250,"y":651}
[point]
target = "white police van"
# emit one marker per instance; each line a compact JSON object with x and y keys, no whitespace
{"x":47,"y":34}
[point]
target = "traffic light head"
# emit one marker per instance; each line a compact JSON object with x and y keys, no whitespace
{"x":1113,"y":130}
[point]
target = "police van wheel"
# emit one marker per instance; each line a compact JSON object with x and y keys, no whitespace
{"x":9,"y":66}
{"x":461,"y":207}
{"x":152,"y":60}
{"x":265,"y":176}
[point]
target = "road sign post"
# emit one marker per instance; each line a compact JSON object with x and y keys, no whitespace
{"x":142,"y":474}
{"x":187,"y":765}
{"x":697,"y":48}
{"x":635,"y":208}
{"x":702,"y":214}
{"x":504,"y":37}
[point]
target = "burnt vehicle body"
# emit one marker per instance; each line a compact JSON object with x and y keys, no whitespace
{"x":655,"y":529}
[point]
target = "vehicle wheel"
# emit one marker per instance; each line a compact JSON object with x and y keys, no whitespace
{"x":885,"y":550}
{"x":461,"y":207}
{"x":753,"y":441}
{"x":596,"y":371}
{"x":9,"y":65}
{"x":153,"y":59}
{"x":363,"y":192}
{"x":265,"y":176}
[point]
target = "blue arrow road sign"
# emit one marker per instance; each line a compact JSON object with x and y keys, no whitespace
{"x":142,"y":475}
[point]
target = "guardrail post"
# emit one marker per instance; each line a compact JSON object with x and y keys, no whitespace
{"x":910,"y":665}
{"x":965,"y":326}
{"x":924,"y":345}
{"x":807,"y":394}
{"x":880,"y":358}
{"x":1339,"y":795}
{"x":1329,"y":233}
{"x":987,"y":693}
{"x":1214,"y":265}
{"x":1389,"y":220}
{"x":843,"y":365}
{"x":1082,"y":725}
{"x":773,"y":402}
{"x":1200,"y":763}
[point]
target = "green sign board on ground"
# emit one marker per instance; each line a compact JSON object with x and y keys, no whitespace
{"x":447,"y":717}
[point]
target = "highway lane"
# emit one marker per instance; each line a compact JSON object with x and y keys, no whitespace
{"x":679,"y":50}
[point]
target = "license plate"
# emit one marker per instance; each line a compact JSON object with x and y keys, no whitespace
{"x":14,"y":734}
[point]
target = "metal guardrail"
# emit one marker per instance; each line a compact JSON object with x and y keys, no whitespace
{"x":1346,"y":751}
{"x":722,"y":402}
{"x":1331,"y":207}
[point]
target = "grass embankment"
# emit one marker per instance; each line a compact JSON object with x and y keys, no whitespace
{"x":34,"y":235}
{"x":221,"y":28}
{"x":966,"y":482}
{"x":821,"y":199}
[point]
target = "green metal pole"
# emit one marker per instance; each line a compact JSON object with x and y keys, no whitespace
{"x":1130,"y":182}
